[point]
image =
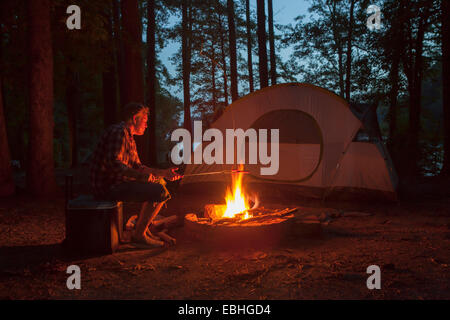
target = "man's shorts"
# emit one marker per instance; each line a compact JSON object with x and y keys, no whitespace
{"x":134,"y":191}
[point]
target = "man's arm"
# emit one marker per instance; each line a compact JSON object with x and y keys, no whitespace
{"x":155,"y":174}
{"x":169,"y":174}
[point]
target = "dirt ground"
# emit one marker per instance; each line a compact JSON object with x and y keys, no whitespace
{"x":409,"y":241}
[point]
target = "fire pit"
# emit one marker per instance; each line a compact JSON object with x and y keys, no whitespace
{"x":241,"y":221}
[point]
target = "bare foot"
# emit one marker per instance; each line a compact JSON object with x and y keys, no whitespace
{"x":144,"y":239}
{"x":167,"y":238}
{"x":151,"y":235}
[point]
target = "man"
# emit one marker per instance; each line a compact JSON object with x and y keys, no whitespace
{"x":117,"y":173}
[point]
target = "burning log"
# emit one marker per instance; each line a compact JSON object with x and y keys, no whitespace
{"x":238,"y":222}
{"x":259,"y":216}
{"x":227,"y":221}
{"x":265,"y":217}
{"x":214,"y":211}
{"x":257,"y":210}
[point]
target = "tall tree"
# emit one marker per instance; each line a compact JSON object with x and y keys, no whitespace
{"x":249,"y":45}
{"x":318,"y":51}
{"x":273,"y":67}
{"x":445,"y":36}
{"x":6,"y":179}
{"x":224,"y":61}
{"x":119,"y":53}
{"x":73,"y":108}
{"x":213,"y":78}
{"x":132,"y":38}
{"x":186,"y":61}
{"x":133,"y":73}
{"x":348,"y":72}
{"x":109,"y":74}
{"x":262,"y":50}
{"x":233,"y":59}
{"x":151,"y":80}
{"x":394,"y":48}
{"x":414,"y":69}
{"x":40,"y":166}
{"x":337,"y":37}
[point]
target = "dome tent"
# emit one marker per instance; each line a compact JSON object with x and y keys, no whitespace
{"x":327,"y":148}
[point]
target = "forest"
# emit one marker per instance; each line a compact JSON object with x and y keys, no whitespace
{"x":60,"y":87}
{"x":69,"y":68}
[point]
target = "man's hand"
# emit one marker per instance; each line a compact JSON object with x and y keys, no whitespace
{"x":171,"y":174}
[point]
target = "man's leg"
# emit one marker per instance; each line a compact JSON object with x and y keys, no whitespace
{"x":145,"y":218}
{"x":146,"y":193}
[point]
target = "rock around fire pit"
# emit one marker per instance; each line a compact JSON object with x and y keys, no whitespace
{"x":264,"y":227}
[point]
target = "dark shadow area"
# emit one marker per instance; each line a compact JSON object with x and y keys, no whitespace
{"x":16,"y":258}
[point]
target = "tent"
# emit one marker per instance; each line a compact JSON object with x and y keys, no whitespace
{"x":327,"y":147}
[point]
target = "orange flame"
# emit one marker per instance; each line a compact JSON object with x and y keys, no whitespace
{"x":236,"y":202}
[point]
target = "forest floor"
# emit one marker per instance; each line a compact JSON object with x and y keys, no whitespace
{"x":409,"y":241}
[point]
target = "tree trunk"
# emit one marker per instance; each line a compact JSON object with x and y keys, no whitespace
{"x":6,"y":178}
{"x":73,"y":108}
{"x":213,"y":77}
{"x":133,"y":75}
{"x":397,"y":27}
{"x":341,"y":69}
{"x":109,"y":88}
{"x":394,"y":80}
{"x":151,"y":81}
{"x":233,"y":59}
{"x":415,"y":95}
{"x":119,"y":55}
{"x":109,"y":97}
{"x":338,"y":44}
{"x":273,"y":67}
{"x":40,"y":168}
{"x":134,"y":87}
{"x":186,"y":57}
{"x":7,"y":187}
{"x":349,"y":53}
{"x":224,"y":63}
{"x":262,"y":50}
{"x":445,"y":6}
{"x":249,"y":46}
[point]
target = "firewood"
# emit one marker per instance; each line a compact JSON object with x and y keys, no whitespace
{"x":276,"y":214}
{"x":214,"y":211}
{"x":256,"y":210}
{"x":226,"y":220}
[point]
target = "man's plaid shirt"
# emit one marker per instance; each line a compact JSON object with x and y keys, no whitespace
{"x":115,"y":160}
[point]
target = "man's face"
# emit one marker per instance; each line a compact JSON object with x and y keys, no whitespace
{"x":140,"y":123}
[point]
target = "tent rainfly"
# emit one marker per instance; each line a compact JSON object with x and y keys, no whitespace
{"x":328,"y":148}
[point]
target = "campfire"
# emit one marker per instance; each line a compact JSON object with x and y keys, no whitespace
{"x":241,"y":218}
{"x":237,"y":203}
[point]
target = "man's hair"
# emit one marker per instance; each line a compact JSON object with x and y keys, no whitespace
{"x":133,"y":108}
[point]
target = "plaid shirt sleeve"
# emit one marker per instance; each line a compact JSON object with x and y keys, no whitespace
{"x":135,"y":162}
